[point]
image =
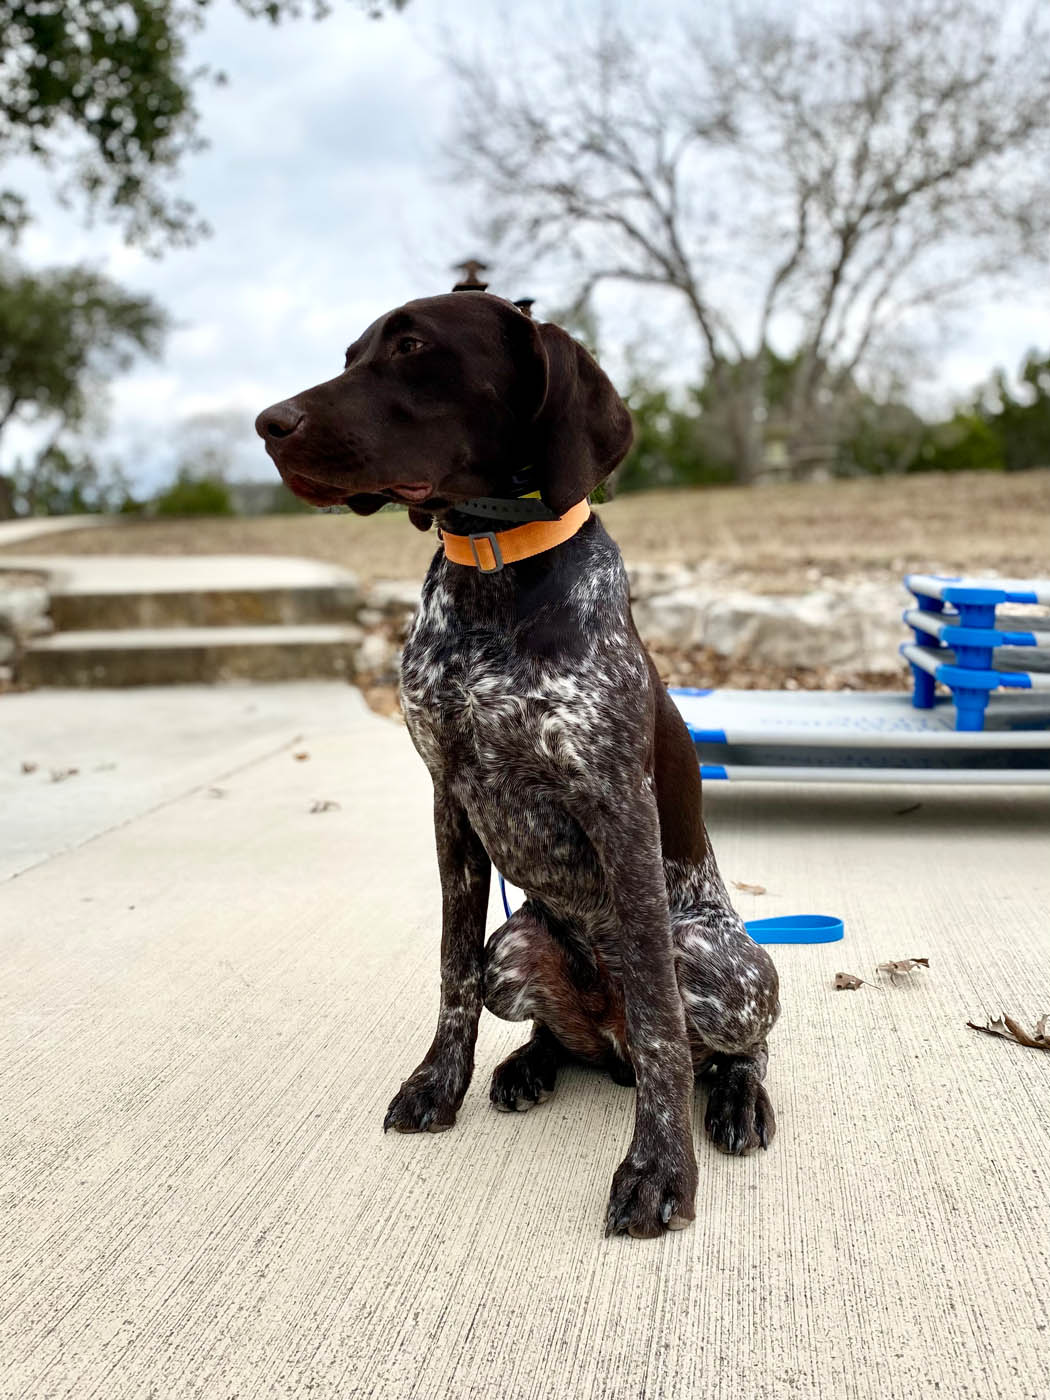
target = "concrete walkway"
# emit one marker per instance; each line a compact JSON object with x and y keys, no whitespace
{"x":209,"y":1001}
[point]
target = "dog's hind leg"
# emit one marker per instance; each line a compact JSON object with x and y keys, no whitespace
{"x":730,"y":993}
{"x":527,"y":1076}
{"x":533,"y":973}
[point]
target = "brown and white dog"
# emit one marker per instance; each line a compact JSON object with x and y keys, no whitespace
{"x":555,"y":752}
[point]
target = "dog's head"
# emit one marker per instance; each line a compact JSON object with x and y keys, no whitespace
{"x":445,"y":399}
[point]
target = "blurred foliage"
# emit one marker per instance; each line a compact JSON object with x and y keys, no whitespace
{"x":1021,"y":423}
{"x":965,"y":443}
{"x":102,"y":95}
{"x":285,"y":502}
{"x":668,"y":445}
{"x":192,"y":494}
{"x":64,"y":333}
{"x":681,"y":440}
{"x":61,"y":481}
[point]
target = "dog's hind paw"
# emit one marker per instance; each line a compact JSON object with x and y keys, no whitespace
{"x":524,"y":1078}
{"x":739,"y":1115}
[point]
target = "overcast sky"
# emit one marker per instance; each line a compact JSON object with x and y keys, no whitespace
{"x":321,"y":183}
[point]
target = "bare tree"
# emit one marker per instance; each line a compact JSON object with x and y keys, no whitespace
{"x":821,"y":173}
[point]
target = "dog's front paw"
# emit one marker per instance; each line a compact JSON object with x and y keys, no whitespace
{"x":423,"y":1104}
{"x":649,"y":1196}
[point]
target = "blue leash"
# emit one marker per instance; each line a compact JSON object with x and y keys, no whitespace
{"x":785,"y":928}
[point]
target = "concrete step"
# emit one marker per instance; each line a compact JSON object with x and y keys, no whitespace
{"x":105,"y":592}
{"x":183,"y":655}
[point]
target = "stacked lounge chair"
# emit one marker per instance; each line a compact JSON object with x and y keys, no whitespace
{"x":986,"y":642}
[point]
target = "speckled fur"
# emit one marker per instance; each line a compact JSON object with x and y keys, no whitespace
{"x":530,"y":698}
{"x":555,"y":751}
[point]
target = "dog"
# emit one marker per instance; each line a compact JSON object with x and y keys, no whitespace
{"x":556,"y":754}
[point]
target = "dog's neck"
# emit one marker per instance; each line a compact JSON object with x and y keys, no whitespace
{"x":517,"y":501}
{"x":545,"y":583}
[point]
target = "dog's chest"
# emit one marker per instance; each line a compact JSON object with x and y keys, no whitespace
{"x":478,"y":712}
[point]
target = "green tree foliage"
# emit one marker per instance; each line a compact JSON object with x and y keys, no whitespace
{"x":61,"y":481}
{"x":102,"y":95}
{"x":1021,"y":423}
{"x":191,"y":494}
{"x":669,"y":447}
{"x":63,"y":334}
{"x":965,"y":443}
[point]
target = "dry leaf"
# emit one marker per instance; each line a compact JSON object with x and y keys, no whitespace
{"x":325,"y":806}
{"x":1009,"y":1029}
{"x":28,"y":766}
{"x":59,"y":775}
{"x":749,"y":889}
{"x":216,"y":792}
{"x":301,"y":757}
{"x":847,"y":982}
{"x":903,"y":966}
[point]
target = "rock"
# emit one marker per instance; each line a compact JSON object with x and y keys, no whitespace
{"x":397,"y":598}
{"x":822,"y":628}
{"x":673,"y":619}
{"x":379,"y":657}
{"x":23,"y":610}
{"x":651,"y":580}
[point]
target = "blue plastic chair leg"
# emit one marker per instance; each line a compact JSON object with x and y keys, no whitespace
{"x":924,"y":688}
{"x":970,"y":706}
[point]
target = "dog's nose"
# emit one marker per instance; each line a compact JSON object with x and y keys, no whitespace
{"x":279,"y":421}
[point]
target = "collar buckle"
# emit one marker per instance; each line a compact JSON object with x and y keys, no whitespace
{"x":497,"y":553}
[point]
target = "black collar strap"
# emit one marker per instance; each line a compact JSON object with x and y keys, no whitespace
{"x":519,"y":509}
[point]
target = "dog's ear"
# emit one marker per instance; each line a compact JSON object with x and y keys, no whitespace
{"x":582,"y":430}
{"x":367,"y":503}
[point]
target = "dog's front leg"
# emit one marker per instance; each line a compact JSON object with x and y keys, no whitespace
{"x":654,"y":1187}
{"x":429,"y":1099}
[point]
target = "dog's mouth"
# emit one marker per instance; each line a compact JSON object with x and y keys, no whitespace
{"x":325,"y":493}
{"x":413,"y":492}
{"x":315,"y":493}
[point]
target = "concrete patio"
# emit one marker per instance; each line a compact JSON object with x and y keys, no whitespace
{"x":210,"y":993}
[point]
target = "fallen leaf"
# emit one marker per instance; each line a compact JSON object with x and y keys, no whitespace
{"x":301,"y":757}
{"x":902,"y":966}
{"x":59,"y":775}
{"x":1006,"y":1027}
{"x":216,"y":792}
{"x":847,"y":982}
{"x":325,"y":806}
{"x":749,"y":889}
{"x":28,"y":766}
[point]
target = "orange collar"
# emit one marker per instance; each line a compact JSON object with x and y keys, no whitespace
{"x":490,"y":550}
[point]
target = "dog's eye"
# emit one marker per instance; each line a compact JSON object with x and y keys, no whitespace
{"x":407,"y":344}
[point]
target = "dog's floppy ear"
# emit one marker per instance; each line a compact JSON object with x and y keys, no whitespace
{"x":583,"y":428}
